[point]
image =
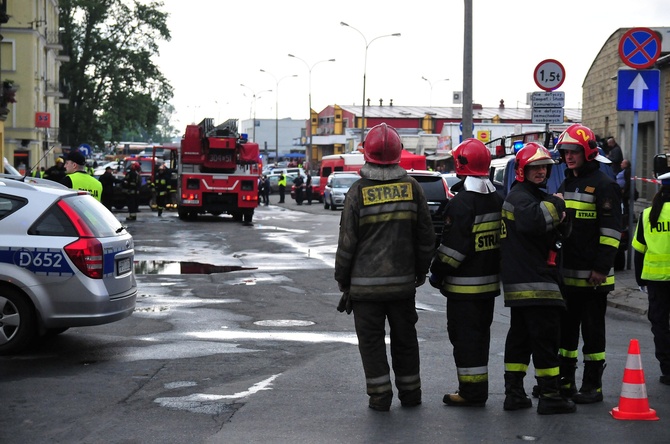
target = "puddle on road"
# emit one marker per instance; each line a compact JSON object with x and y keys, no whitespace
{"x":178,"y":267}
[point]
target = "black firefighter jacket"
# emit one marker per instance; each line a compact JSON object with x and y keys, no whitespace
{"x":531,"y":221}
{"x":386,"y":238}
{"x":467,"y":263}
{"x":593,"y":203}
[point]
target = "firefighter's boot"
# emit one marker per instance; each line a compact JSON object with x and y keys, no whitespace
{"x":551,"y":402}
{"x":160,"y":212}
{"x":592,"y":384}
{"x":515,"y":395}
{"x":568,"y":386}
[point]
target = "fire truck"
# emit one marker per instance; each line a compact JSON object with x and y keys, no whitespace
{"x":218,"y":172}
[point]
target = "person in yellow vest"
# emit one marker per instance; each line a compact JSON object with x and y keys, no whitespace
{"x":78,"y":178}
{"x":282,"y":187}
{"x":652,"y":270}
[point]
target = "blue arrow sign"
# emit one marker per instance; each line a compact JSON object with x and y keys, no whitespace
{"x":638,"y":90}
{"x":85,"y":149}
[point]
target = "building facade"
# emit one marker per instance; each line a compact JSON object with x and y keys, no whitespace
{"x":30,"y":60}
{"x":274,"y":136}
{"x":599,"y":105}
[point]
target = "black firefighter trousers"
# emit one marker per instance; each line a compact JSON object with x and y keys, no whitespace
{"x":469,"y":328}
{"x":370,"y":322}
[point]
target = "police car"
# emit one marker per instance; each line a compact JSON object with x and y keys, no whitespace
{"x":65,"y":261}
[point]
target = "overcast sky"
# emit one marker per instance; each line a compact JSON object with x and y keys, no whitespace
{"x":217,"y":45}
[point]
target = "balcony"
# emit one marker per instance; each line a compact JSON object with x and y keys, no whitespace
{"x":53,"y":41}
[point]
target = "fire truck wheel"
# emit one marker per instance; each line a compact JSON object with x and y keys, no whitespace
{"x":182,"y":214}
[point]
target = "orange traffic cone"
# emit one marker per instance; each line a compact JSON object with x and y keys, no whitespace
{"x":633,"y":403}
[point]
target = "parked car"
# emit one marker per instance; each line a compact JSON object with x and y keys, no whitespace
{"x":9,"y":169}
{"x":436,"y":189}
{"x":317,"y":190}
{"x":65,"y":261}
{"x":336,"y":189}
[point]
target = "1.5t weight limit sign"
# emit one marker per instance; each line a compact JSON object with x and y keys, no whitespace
{"x":549,"y":75}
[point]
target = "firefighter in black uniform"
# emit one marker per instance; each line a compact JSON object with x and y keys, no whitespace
{"x":161,"y":185}
{"x":532,"y":231}
{"x":385,"y":245}
{"x":466,"y":269}
{"x":131,"y":186}
{"x":593,"y":203}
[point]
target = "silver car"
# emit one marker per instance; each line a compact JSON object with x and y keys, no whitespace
{"x":65,"y":261}
{"x":336,"y":189}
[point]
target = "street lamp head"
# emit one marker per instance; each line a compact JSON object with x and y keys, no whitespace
{"x":331,"y":60}
{"x":344,"y":24}
{"x":397,"y":34}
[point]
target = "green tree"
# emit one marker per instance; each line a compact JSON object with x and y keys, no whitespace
{"x":111,"y":82}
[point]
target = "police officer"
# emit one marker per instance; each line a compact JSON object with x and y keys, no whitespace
{"x":56,"y":172}
{"x":652,"y":270}
{"x":531,"y":221}
{"x":593,"y":203}
{"x":78,"y":178}
{"x":161,"y":185}
{"x":385,"y":245}
{"x":466,"y":269}
{"x":131,"y":186}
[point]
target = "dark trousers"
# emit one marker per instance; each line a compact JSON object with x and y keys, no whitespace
{"x":107,"y":199}
{"x":161,"y":200}
{"x":282,"y":190}
{"x":298,"y":195}
{"x":370,"y":322}
{"x":659,"y":316}
{"x":469,"y":328}
{"x":308,"y":191}
{"x":133,"y":204}
{"x":586,"y":310}
{"x":534,"y":331}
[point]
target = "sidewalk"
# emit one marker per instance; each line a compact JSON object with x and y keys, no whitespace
{"x":626,"y":295}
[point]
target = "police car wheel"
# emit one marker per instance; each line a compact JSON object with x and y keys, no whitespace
{"x":18,"y":324}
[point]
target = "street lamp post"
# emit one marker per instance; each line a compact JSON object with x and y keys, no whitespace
{"x":277,"y":110}
{"x":308,"y":151}
{"x":365,"y":67}
{"x":254,"y":96}
{"x":431,"y":87}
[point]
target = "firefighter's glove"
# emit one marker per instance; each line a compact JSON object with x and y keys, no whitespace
{"x":419,"y":280}
{"x":345,"y":303}
{"x":433,"y":281}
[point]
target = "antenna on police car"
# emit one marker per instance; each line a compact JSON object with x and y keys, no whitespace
{"x":38,"y":162}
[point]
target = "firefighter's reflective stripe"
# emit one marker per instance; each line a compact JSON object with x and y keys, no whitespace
{"x":411,"y":382}
{"x":450,"y":256}
{"x":580,"y":278}
{"x":472,"y":374}
{"x":570,"y":354}
{"x":656,"y":265}
{"x":594,"y":356}
{"x":532,"y":290}
{"x":610,"y":237}
{"x":516,"y":367}
{"x":550,"y":214}
{"x":388,"y":212}
{"x":385,"y":280}
{"x":547,"y":372}
{"x":381,"y":384}
{"x":471,"y":285}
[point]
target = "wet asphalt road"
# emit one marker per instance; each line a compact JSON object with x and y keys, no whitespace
{"x":258,"y":353}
